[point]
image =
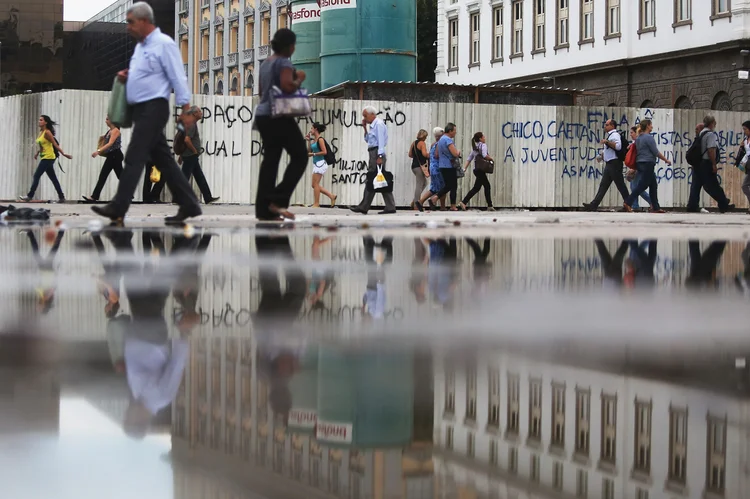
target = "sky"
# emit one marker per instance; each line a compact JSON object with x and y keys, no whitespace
{"x":83,"y":10}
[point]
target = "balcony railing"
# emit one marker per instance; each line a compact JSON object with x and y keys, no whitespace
{"x":263,"y":52}
{"x":183,"y":29}
{"x":234,"y":15}
{"x":232,"y":60}
{"x":248,"y":56}
{"x":218,"y":63}
{"x":184,"y":6}
{"x":205,"y":24}
{"x":205,"y":3}
{"x":249,"y":11}
{"x":219,"y":20}
{"x":203,"y":66}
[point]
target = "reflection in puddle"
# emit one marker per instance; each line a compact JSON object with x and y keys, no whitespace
{"x":358,"y":365}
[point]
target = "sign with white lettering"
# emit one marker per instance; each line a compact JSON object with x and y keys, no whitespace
{"x":303,"y":418}
{"x":305,"y":12}
{"x":340,"y":433}
{"x":337,"y":4}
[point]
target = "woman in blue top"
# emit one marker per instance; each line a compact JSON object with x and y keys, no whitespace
{"x":447,"y":153}
{"x":436,"y":180}
{"x":646,"y":154}
{"x":317,"y":150}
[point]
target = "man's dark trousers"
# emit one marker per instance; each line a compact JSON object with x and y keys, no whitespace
{"x":612,"y":173}
{"x":148,"y":140}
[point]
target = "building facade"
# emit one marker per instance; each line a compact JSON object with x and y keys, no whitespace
{"x":222,"y":41}
{"x":31,"y":39}
{"x":638,"y":53}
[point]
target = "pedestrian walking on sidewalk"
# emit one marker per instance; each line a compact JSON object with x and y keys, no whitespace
{"x":447,"y":156}
{"x":743,"y":159}
{"x":110,"y":148}
{"x":646,"y":156}
{"x":613,"y":156}
{"x":436,"y":180}
{"x":705,"y":174}
{"x":632,"y":175}
{"x":420,"y":166}
{"x":155,"y":69}
{"x":190,"y":157}
{"x":318,"y":151}
{"x":376,"y":136}
{"x":279,"y":133}
{"x":479,"y":149}
{"x":47,"y":154}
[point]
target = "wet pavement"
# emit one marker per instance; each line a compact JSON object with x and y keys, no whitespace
{"x":510,"y":355}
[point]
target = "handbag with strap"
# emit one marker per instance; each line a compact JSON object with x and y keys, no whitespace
{"x":483,"y":164}
{"x":456,"y":161}
{"x":631,"y":156}
{"x":426,"y":166}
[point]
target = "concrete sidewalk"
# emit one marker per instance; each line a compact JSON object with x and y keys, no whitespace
{"x":509,"y":223}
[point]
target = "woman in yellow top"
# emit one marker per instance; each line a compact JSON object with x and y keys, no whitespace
{"x":46,"y":154}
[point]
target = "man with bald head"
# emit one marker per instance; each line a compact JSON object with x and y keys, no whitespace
{"x":376,"y":136}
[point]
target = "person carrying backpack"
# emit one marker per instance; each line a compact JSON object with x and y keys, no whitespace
{"x":323,"y":157}
{"x":703,"y":156}
{"x":615,"y":147}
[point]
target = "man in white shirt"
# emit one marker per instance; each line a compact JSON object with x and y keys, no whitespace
{"x":613,"y":166}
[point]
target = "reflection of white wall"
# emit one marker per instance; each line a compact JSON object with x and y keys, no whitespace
{"x":663,"y":395}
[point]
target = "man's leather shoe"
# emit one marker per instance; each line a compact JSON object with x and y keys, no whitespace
{"x":387,"y":212}
{"x":108,"y":211}
{"x":183,"y":214}
{"x":356,"y":209}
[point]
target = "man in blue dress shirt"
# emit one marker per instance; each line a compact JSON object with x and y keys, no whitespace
{"x":155,"y":69}
{"x":377,"y":140}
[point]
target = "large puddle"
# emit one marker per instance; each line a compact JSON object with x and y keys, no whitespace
{"x":349,"y":363}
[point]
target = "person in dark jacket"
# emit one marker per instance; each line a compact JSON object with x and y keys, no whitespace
{"x":706,"y":175}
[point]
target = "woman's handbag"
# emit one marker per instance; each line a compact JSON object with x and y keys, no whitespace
{"x":460,"y":173}
{"x":119,"y":110}
{"x":101,"y":143}
{"x":631,"y":156}
{"x":425,"y":167}
{"x":483,"y":164}
{"x":741,"y":160}
{"x":292,"y":105}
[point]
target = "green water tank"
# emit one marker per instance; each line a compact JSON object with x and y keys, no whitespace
{"x":306,"y":25}
{"x":365,"y":399}
{"x":368,"y":40}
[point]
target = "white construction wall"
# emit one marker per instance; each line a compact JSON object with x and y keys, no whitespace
{"x":545,"y":155}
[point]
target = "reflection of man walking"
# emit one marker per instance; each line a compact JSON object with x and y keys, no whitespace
{"x":376,"y":137}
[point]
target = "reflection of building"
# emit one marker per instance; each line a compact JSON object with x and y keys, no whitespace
{"x":222,"y":42}
{"x":223,"y":415}
{"x":524,"y":428}
{"x":31,"y":34}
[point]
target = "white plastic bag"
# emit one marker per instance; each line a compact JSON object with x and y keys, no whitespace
{"x":379,"y":182}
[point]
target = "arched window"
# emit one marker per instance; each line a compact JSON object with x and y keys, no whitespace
{"x":722,"y":102}
{"x":683,"y":102}
{"x":647,"y":104}
{"x":220,"y":88}
{"x":235,"y":84}
{"x":205,"y":89}
{"x":612,"y":104}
